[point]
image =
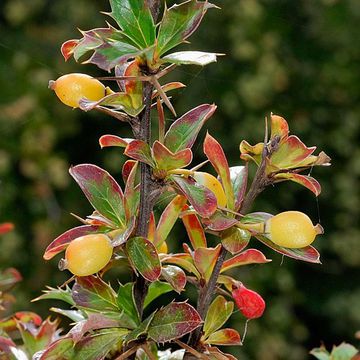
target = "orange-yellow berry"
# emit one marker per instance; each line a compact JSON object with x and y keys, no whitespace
{"x":292,"y":229}
{"x":213,"y":184}
{"x":86,"y":255}
{"x":71,"y":88}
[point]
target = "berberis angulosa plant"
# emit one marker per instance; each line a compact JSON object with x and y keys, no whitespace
{"x":115,"y":322}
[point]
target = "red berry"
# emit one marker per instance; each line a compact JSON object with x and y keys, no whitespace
{"x":249,"y":302}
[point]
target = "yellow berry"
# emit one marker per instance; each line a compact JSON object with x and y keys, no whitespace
{"x":213,"y":184}
{"x":292,"y":229}
{"x":71,"y":88}
{"x":88,"y":254}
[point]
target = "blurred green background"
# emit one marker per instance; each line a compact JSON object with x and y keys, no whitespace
{"x":299,"y":59}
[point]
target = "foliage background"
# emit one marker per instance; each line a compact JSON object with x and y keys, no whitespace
{"x":299,"y":59}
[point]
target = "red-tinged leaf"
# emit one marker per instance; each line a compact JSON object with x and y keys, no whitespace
{"x":229,"y":282}
{"x":194,"y":229}
{"x":201,"y":198}
{"x":290,"y":153}
{"x":185,"y":261}
{"x":179,"y":22}
{"x":61,"y":242}
{"x":175,"y":277}
{"x":205,"y":260}
{"x":8,"y":278}
{"x":6,"y":227}
{"x":59,"y":349}
{"x":235,"y":240}
{"x":152,"y":227}
{"x":216,"y":354}
{"x":190,"y":58}
{"x":218,"y":313}
{"x":93,"y":322}
{"x":224,"y":337}
{"x":140,"y":150}
{"x":126,"y":169}
{"x":113,"y":140}
{"x":173,"y":321}
{"x":216,"y":155}
{"x":249,"y":302}
{"x":250,"y":256}
{"x":7,"y":346}
{"x":256,"y":217}
{"x":279,"y":127}
{"x":249,"y":152}
{"x":184,"y":131}
{"x":67,"y":48}
{"x":239,"y":177}
{"x":308,"y":254}
{"x":143,"y":256}
{"x":219,"y":221}
{"x":121,"y":235}
{"x":9,"y":324}
{"x":304,"y":180}
{"x":93,"y":293}
{"x":102,"y":191}
{"x":168,"y":219}
{"x":132,"y":87}
{"x":167,"y":160}
{"x":168,"y":87}
{"x":131,"y":195}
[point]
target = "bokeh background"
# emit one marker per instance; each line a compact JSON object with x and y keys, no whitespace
{"x":299,"y":59}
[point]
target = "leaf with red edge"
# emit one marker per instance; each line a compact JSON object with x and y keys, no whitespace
{"x":218,"y":313}
{"x":131,"y":195}
{"x":201,"y":198}
{"x":304,"y":180}
{"x":113,"y":140}
{"x":179,"y":22}
{"x":134,"y":88}
{"x":173,"y":321}
{"x":6,"y":227}
{"x":102,"y":191}
{"x":308,"y":253}
{"x":251,"y":152}
{"x":126,"y":169}
{"x":93,"y":293}
{"x":216,"y":155}
{"x":205,"y":260}
{"x":7,"y":346}
{"x":8,"y":278}
{"x":290,"y":153}
{"x":9,"y":323}
{"x":168,"y":219}
{"x":143,"y":256}
{"x":175,"y":277}
{"x":185,"y":261}
{"x":219,"y":221}
{"x":250,"y":256}
{"x":67,"y":48}
{"x":235,"y":240}
{"x":194,"y":229}
{"x":62,"y":241}
{"x":184,"y":131}
{"x":152,"y":227}
{"x":279,"y":127}
{"x":62,"y":348}
{"x":167,"y":160}
{"x":140,"y":150}
{"x":239,"y":177}
{"x":224,"y":337}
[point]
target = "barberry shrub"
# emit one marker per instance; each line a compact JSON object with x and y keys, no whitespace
{"x":116,"y":322}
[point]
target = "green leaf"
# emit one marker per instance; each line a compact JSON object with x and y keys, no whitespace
{"x":179,"y":22}
{"x":224,"y":337}
{"x":175,"y":277}
{"x":156,"y":289}
{"x":102,"y":191}
{"x":239,"y":176}
{"x":183,"y":131}
{"x":142,"y":254}
{"x":235,"y":240}
{"x":201,"y":198}
{"x":190,"y":58}
{"x":60,"y":349}
{"x":126,"y":302}
{"x":167,"y":160}
{"x":131,"y":194}
{"x":218,"y":313}
{"x":185,"y":261}
{"x":343,"y":352}
{"x":57,"y":294}
{"x":168,"y":219}
{"x":93,"y":293}
{"x":135,"y":20}
{"x":220,"y":221}
{"x":173,"y":321}
{"x":320,"y":353}
{"x":250,"y":256}
{"x":205,"y":260}
{"x":194,"y":229}
{"x":216,"y":155}
{"x":8,"y":278}
{"x":139,"y":150}
{"x":74,"y":315}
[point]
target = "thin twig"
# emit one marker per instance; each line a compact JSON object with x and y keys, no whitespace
{"x":127,"y":353}
{"x":191,"y":350}
{"x":148,"y":352}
